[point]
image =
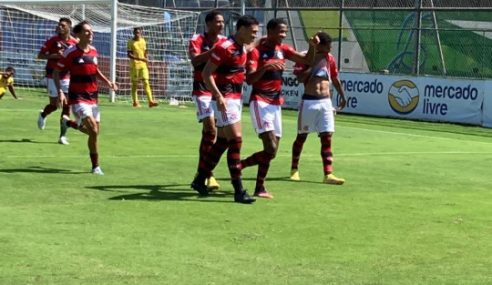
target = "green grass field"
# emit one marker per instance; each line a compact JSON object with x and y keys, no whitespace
{"x":416,"y":207}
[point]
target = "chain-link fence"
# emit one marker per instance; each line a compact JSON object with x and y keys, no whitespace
{"x":418,"y":37}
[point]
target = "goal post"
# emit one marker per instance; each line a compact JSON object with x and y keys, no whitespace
{"x":26,"y":24}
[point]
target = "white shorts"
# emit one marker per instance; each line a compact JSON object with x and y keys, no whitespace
{"x":84,"y":110}
{"x":203,"y":107}
{"x":316,"y":116}
{"x":232,"y":114}
{"x":52,"y":91}
{"x":266,"y":117}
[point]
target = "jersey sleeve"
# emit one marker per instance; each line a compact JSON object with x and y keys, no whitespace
{"x":194,"y":46}
{"x":333,"y":66}
{"x":253,"y":57}
{"x":219,"y":55}
{"x":10,"y":81}
{"x":45,"y":49}
{"x":299,"y":68}
{"x":64,"y":62}
{"x":288,"y":51}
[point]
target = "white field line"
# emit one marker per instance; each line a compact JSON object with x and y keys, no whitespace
{"x":163,"y":156}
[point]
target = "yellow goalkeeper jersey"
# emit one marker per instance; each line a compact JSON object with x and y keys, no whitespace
{"x":138,"y":49}
{"x":5,"y":82}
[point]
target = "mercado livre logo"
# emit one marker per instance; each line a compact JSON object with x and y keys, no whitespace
{"x":403,"y":96}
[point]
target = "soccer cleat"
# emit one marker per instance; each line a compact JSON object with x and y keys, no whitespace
{"x":243,"y":197}
{"x":153,"y":104}
{"x":263,"y":193}
{"x":136,"y":105}
{"x":332,"y":179}
{"x":212,"y":184}
{"x":63,"y":140}
{"x":97,"y":170}
{"x":294,"y":175}
{"x":41,"y":121}
{"x":201,"y":188}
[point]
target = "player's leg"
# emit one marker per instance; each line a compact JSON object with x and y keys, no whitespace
{"x":134,"y":85}
{"x":304,"y":119}
{"x":233,"y":133}
{"x":64,"y":113}
{"x":144,"y":75}
{"x":209,"y":161}
{"x":325,"y":128}
{"x":270,"y":147}
{"x":52,"y":105}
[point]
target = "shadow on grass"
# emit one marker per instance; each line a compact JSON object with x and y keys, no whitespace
{"x":284,"y":178}
{"x":39,"y":169}
{"x":24,"y":141}
{"x":179,"y":192}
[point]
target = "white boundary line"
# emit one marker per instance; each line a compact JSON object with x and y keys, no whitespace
{"x":280,"y":155}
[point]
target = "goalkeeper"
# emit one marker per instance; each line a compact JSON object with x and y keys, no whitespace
{"x":7,"y":81}
{"x":137,"y":52}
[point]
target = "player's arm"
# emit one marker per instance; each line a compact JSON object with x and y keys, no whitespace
{"x":200,"y":58}
{"x":45,"y":54}
{"x":12,"y":91}
{"x":56,"y":79}
{"x":111,"y":84}
{"x":208,"y":79}
{"x":338,"y":86}
{"x":254,"y":73}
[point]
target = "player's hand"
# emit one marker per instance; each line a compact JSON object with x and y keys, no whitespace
{"x":221,"y":103}
{"x":342,"y":102}
{"x":62,"y":99}
{"x":314,"y":40}
{"x":274,"y":65}
{"x":113,"y":86}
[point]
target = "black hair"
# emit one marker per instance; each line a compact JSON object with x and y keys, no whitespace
{"x":137,"y":29}
{"x":274,"y":23}
{"x":66,"y":20}
{"x":246,"y":21}
{"x":10,"y":69}
{"x":211,"y":16}
{"x":324,"y":38}
{"x":78,"y":28}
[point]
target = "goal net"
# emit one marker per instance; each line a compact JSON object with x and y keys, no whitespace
{"x":25,"y":27}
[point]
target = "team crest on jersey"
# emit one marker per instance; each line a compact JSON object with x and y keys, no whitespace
{"x":279,"y":54}
{"x":94,"y":60}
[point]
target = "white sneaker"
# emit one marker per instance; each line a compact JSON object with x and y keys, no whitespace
{"x":41,"y":121}
{"x":63,"y":140}
{"x":97,"y":170}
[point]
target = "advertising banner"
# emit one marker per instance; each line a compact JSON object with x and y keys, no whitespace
{"x":420,"y":98}
{"x":487,"y":106}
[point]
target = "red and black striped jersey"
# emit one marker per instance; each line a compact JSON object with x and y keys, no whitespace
{"x":268,"y":88}
{"x":83,"y":74}
{"x":199,"y":44}
{"x":56,"y":44}
{"x":230,"y":57}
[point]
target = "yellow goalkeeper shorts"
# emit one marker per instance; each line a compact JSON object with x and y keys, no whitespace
{"x":139,"y":74}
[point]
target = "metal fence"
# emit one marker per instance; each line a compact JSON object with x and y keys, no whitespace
{"x":450,"y":38}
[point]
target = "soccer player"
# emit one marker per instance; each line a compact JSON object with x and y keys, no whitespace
{"x":137,"y":52}
{"x":224,"y":75}
{"x":265,"y":66}
{"x":52,"y":50}
{"x":316,"y":113}
{"x":200,"y":48}
{"x":7,"y":81}
{"x":81,"y":61}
